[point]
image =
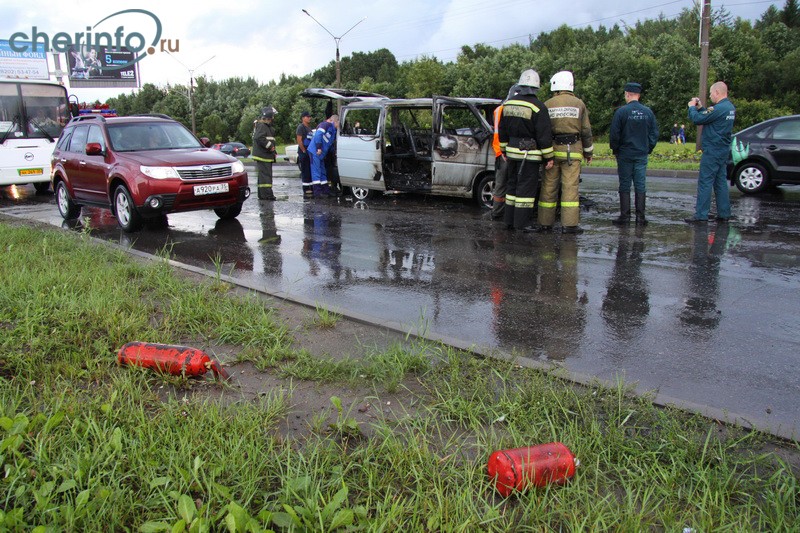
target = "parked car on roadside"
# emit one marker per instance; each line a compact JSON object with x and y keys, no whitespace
{"x":766,"y":154}
{"x":142,"y":167}
{"x":232,"y":148}
{"x":290,"y":153}
{"x":439,"y":145}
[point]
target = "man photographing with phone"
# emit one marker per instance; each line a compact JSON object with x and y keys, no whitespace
{"x":716,"y":142}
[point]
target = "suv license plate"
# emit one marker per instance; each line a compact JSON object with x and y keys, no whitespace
{"x":214,"y":188}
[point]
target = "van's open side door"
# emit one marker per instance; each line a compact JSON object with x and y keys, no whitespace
{"x":461,"y":144}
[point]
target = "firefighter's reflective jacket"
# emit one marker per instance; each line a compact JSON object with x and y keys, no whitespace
{"x":572,"y":133}
{"x":525,"y":129}
{"x":264,"y":148}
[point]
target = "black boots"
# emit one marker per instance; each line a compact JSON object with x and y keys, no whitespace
{"x":640,"y":201}
{"x":624,"y":209}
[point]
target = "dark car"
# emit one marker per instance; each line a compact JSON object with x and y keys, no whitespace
{"x":766,"y":155}
{"x":142,"y":167}
{"x":234,"y":149}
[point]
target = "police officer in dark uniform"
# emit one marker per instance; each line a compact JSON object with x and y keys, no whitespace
{"x":634,"y":134}
{"x":264,"y":151}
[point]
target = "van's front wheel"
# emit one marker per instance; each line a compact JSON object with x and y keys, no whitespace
{"x":483,"y":191}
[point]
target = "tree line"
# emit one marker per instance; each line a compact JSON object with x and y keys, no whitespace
{"x":760,"y":62}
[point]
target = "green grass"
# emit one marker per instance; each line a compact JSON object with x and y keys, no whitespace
{"x":665,"y":156}
{"x":86,"y":445}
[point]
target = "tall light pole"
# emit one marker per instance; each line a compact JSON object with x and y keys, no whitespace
{"x":705,"y":31}
{"x":191,"y":85}
{"x":336,"y":39}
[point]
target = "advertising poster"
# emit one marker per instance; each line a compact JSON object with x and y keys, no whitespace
{"x":26,"y":65}
{"x":102,"y":67}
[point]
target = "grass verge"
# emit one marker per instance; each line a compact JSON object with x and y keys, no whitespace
{"x":665,"y":156}
{"x":86,"y":445}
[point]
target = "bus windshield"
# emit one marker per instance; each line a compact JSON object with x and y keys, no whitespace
{"x":32,"y":110}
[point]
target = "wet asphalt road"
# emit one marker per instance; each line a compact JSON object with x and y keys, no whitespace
{"x":706,"y":316}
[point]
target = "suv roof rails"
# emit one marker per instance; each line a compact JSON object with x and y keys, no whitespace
{"x":154,"y":115}
{"x":81,"y":118}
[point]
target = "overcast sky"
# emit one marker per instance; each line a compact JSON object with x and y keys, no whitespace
{"x":221,"y":39}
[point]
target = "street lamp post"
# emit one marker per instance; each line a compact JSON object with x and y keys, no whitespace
{"x":191,"y":86}
{"x":336,"y":39}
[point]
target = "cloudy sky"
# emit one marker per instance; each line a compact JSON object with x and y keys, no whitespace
{"x":220,"y":39}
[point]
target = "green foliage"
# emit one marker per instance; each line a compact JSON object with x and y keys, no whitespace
{"x":760,"y":63}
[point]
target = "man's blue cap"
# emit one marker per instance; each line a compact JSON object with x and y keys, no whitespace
{"x":633,"y":87}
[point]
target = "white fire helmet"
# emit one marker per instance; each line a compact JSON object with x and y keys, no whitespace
{"x":529,"y":78}
{"x":562,"y":81}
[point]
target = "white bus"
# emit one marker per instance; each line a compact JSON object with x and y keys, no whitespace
{"x":32,"y":115}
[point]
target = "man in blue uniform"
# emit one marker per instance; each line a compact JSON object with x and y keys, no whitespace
{"x":634,"y":134}
{"x":321,"y":143}
{"x":717,"y":122}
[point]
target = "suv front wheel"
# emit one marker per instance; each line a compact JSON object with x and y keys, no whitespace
{"x":128,"y":217}
{"x":227,"y":213}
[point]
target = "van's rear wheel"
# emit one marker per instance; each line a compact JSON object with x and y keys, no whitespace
{"x":360,"y":193}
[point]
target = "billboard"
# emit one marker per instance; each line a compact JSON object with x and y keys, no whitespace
{"x":28,"y":65}
{"x":102,"y":66}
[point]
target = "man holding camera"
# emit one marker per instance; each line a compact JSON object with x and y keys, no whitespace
{"x":717,"y":122}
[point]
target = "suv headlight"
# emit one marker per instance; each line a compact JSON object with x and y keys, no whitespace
{"x":159,"y":173}
{"x":237,"y":167}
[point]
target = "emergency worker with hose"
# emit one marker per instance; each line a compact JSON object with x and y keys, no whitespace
{"x":527,"y":139}
{"x":500,"y":163}
{"x":264,"y":152}
{"x":572,"y":144}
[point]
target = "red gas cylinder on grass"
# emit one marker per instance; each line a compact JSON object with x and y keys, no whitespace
{"x":175,"y":360}
{"x":518,"y":468}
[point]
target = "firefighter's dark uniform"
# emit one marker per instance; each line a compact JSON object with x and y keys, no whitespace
{"x":572,"y":141}
{"x":264,"y":152}
{"x":525,"y":135}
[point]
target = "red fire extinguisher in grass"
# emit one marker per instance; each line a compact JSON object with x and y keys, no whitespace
{"x":175,"y":360}
{"x":518,"y":468}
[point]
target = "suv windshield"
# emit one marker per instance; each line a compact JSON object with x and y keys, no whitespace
{"x":140,"y":136}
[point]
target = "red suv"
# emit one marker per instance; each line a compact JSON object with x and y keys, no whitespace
{"x":142,"y":167}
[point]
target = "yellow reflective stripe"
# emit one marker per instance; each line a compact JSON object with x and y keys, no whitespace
{"x":546,"y":151}
{"x":510,"y":200}
{"x":547,"y":205}
{"x":525,"y":203}
{"x":573,"y":155}
{"x":522,"y":103}
{"x":521,"y":157}
{"x":262,"y":159}
{"x":503,"y":145}
{"x":570,"y":204}
{"x":268,"y":185}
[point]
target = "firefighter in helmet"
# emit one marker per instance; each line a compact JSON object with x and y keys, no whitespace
{"x":525,"y":135}
{"x":265,"y":151}
{"x":572,"y":144}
